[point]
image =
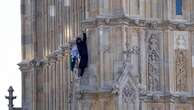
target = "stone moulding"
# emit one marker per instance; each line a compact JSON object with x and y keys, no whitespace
{"x":167,"y":97}
{"x":152,"y":24}
{"x":153,"y":62}
{"x":101,"y":91}
{"x":51,"y":58}
{"x":133,"y":50}
{"x":121,"y":81}
{"x":25,"y":65}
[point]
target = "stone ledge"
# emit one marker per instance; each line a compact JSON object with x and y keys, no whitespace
{"x":100,"y":91}
{"x":51,"y":58}
{"x":167,"y":97}
{"x":17,"y":108}
{"x":152,"y":24}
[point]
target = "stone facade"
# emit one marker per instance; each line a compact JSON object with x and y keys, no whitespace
{"x":140,"y":55}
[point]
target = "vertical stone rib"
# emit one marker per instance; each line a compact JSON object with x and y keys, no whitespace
{"x":45,"y":28}
{"x":44,"y":88}
{"x":57,"y":86}
{"x":62,"y":21}
{"x":48,"y":27}
{"x":60,"y":85}
{"x":65,"y":84}
{"x":73,"y":17}
{"x":50,"y":87}
{"x":63,"y":94}
{"x":54,"y":25}
{"x":65,"y":24}
{"x":53,"y":86}
{"x":34,"y":35}
{"x":71,"y":32}
{"x":23,"y":13}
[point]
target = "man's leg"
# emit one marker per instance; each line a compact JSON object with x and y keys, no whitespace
{"x":79,"y":72}
{"x":82,"y":72}
{"x":73,"y":63}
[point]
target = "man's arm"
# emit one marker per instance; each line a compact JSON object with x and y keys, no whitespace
{"x":84,"y":37}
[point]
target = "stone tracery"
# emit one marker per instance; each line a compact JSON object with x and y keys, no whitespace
{"x":128,"y":94}
{"x":153,"y":63}
{"x":181,"y":74}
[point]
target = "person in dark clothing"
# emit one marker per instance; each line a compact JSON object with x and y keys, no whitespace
{"x":83,"y":52}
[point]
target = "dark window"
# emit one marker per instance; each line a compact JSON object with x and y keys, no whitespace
{"x":179,"y":6}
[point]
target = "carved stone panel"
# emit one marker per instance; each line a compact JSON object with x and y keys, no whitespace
{"x":128,"y":94}
{"x":181,"y":72}
{"x":181,"y":40}
{"x":130,"y":97}
{"x":153,"y":62}
{"x":181,"y":44}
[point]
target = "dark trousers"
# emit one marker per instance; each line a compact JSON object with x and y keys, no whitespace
{"x":73,"y":62}
{"x":83,"y":65}
{"x":81,"y":72}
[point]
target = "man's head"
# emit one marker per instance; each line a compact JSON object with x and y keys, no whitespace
{"x":84,"y":34}
{"x":78,"y":40}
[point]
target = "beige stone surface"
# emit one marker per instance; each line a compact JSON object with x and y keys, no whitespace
{"x":140,"y":55}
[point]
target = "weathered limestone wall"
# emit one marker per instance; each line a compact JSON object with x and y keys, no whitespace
{"x":47,"y":27}
{"x":140,"y":55}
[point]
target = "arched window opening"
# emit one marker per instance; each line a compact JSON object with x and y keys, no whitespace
{"x":179,"y":6}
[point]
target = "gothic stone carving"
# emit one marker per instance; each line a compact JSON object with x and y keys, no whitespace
{"x":181,"y":73}
{"x":128,"y":94}
{"x":180,"y":40}
{"x":153,"y":58}
{"x":133,"y":50}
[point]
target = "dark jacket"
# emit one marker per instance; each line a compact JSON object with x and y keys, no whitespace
{"x":83,"y":51}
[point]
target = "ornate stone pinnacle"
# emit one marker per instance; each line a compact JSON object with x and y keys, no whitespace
{"x":10,"y":97}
